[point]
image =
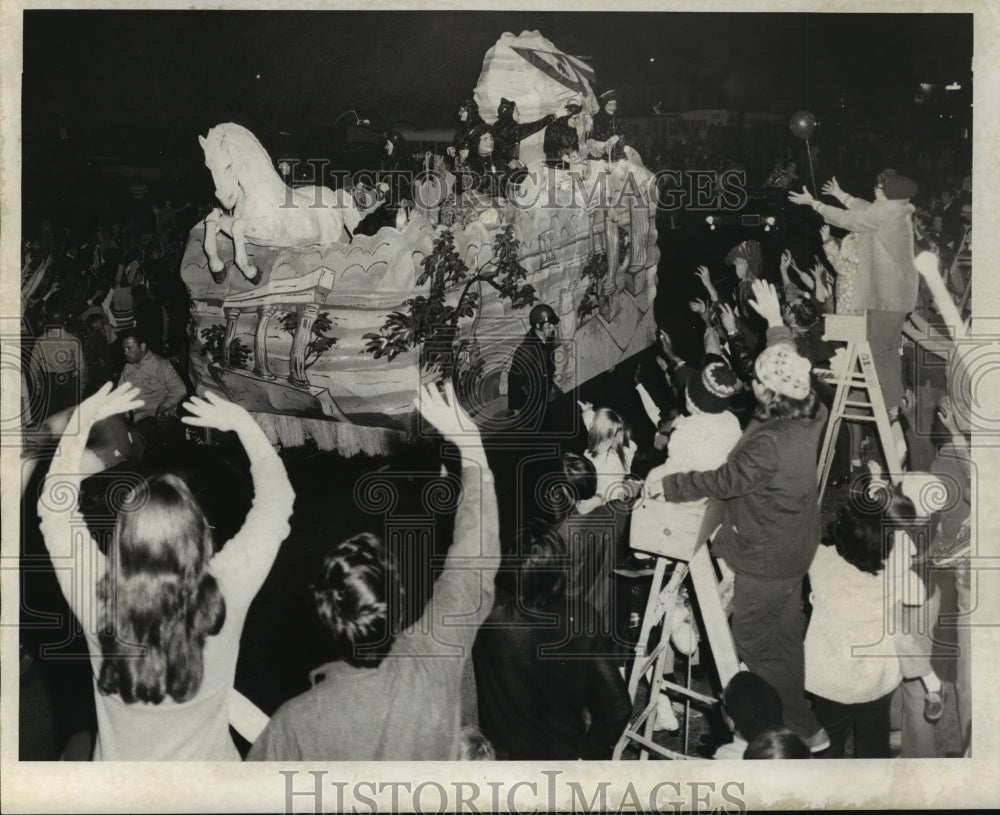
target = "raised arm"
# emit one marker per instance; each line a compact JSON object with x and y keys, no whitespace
{"x":245,"y":561}
{"x":463,"y":593}
{"x":860,"y":215}
{"x":76,"y":558}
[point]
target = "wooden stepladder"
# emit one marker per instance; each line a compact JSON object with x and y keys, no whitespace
{"x":866,"y":404}
{"x":678,"y":534}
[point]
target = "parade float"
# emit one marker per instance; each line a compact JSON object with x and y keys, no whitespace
{"x":318,"y":331}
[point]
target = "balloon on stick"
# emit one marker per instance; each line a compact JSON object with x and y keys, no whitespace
{"x":803,"y":124}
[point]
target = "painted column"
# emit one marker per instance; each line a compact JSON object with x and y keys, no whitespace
{"x":303,"y":330}
{"x":260,"y":367}
{"x":232,"y":316}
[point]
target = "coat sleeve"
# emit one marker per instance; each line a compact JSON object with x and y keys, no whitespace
{"x":245,"y":561}
{"x":464,"y":592}
{"x":862,"y":218}
{"x":530,"y":128}
{"x":749,"y":468}
{"x":76,"y":559}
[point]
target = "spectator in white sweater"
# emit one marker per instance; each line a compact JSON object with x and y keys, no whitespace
{"x":852,"y":668}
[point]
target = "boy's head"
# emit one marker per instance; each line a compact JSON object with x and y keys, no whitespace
{"x":777,"y":742}
{"x":576,"y":481}
{"x":751,"y":705}
{"x":474,"y":746}
{"x":359,"y":599}
{"x":540,"y":563}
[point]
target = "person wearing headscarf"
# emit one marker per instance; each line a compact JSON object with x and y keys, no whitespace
{"x":395,"y":181}
{"x":562,"y":140}
{"x":468,"y":117}
{"x":608,"y":132}
{"x":486,"y":168}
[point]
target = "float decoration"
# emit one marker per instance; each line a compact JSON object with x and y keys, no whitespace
{"x":317,"y":332}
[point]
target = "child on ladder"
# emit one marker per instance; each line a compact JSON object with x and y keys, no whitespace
{"x":771,"y":521}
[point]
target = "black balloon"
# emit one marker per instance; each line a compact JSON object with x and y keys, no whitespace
{"x":802,"y":124}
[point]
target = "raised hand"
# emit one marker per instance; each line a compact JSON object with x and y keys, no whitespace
{"x":824,"y":233}
{"x":706,"y":281}
{"x":804,"y":197}
{"x":832,"y":187}
{"x":785,"y":262}
{"x":697,"y":306}
{"x":728,"y":318}
{"x":109,"y":401}
{"x":447,"y":415}
{"x":742,"y":266}
{"x":211,"y":410}
{"x":765,"y":302}
{"x":665,"y":344}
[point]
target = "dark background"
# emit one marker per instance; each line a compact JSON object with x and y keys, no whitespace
{"x":150,"y":80}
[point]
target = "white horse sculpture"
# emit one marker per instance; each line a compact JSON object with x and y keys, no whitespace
{"x":257,"y":204}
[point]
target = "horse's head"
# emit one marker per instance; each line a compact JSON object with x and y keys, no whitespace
{"x":223,"y":163}
{"x":237,"y":161}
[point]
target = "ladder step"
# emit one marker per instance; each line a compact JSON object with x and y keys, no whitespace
{"x":645,"y":663}
{"x":708,"y":700}
{"x":653,"y":747}
{"x":854,"y":417}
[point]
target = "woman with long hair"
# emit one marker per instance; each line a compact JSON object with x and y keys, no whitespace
{"x":161,"y":612}
{"x":610,"y":448}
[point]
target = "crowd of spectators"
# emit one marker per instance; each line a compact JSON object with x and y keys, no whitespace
{"x":730,"y":427}
{"x":87,"y":287}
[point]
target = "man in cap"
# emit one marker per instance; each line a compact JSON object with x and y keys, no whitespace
{"x":531,"y":377}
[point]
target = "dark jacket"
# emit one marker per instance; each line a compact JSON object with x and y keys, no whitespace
{"x":592,"y":543}
{"x":535,"y":681}
{"x":508,"y":134}
{"x":486,"y":174}
{"x":398,"y":171}
{"x":769,"y":495}
{"x":605,"y":126}
{"x":531,"y":375}
{"x":560,"y":139}
{"x":462,"y":134}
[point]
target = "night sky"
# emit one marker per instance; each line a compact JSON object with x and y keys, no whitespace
{"x":122,"y":77}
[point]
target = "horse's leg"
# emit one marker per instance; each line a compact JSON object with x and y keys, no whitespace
{"x":250,"y":272}
{"x":215,"y":264}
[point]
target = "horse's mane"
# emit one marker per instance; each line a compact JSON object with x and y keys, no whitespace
{"x":236,"y":139}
